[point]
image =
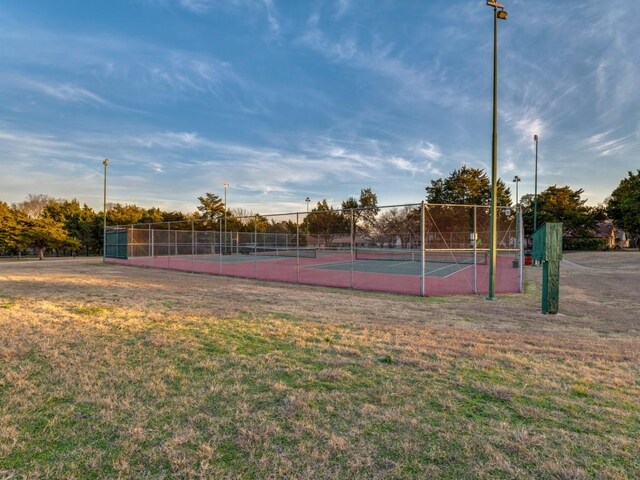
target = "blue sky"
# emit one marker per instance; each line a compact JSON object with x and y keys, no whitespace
{"x":289,"y":99}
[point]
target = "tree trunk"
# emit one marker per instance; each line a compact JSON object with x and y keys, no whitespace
{"x":40,"y":253}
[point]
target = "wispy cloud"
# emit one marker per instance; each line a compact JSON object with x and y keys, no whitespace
{"x":404,"y":164}
{"x":342,"y":7}
{"x":382,"y":59}
{"x":157,"y":160}
{"x":171,"y":140}
{"x":181,"y":71}
{"x":605,"y":146}
{"x":526,"y":123}
{"x":289,"y":99}
{"x":194,"y":6}
{"x":272,"y":17}
{"x":103,"y":60}
{"x":197,"y":6}
{"x":203,"y":7}
{"x":613,"y":36}
{"x":429,"y":150}
{"x":65,"y":92}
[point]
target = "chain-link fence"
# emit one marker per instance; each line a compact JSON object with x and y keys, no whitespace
{"x":420,"y":249}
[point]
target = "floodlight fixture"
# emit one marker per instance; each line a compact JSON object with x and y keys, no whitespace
{"x":516,"y":180}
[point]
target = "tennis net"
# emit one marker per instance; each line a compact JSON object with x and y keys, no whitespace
{"x":456,"y":256}
{"x":275,"y":251}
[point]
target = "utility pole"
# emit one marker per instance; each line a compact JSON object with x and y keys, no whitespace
{"x":498,"y":14}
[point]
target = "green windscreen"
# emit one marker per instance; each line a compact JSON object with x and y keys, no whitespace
{"x":116,"y":244}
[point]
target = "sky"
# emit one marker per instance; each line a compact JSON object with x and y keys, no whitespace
{"x":288,"y":99}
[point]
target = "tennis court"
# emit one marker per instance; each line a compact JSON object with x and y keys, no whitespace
{"x":436,"y":250}
{"x":439,"y":268}
{"x":344,"y":269}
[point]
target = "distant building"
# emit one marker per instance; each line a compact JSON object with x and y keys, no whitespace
{"x":607,"y":231}
{"x":611,"y":235}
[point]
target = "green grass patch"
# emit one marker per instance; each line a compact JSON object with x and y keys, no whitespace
{"x":146,"y":392}
{"x":90,"y":310}
{"x":7,"y":303}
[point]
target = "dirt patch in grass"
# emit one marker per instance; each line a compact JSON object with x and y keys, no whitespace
{"x":110,"y":371}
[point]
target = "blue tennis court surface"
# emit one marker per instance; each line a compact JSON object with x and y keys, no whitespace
{"x":395,"y":267}
{"x":434,"y":269}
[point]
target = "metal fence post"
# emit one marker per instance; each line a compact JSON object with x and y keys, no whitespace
{"x":475,"y":252}
{"x":423,"y":247}
{"x":297,"y":247}
{"x":520,"y":236}
{"x":168,"y":244}
{"x":351,"y":239}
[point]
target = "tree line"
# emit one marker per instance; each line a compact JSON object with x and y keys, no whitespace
{"x":66,"y":227}
{"x":554,"y":204}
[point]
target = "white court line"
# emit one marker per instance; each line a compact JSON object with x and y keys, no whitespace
{"x":457,"y":271}
{"x":399,"y":264}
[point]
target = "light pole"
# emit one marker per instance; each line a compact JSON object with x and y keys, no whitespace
{"x":535,"y":189}
{"x":307,"y":200}
{"x":516,"y":180}
{"x":105,"y":162}
{"x":498,"y":14}
{"x":225,"y":185}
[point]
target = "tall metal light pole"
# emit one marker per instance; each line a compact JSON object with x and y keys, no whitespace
{"x":105,"y":162}
{"x":498,"y":14}
{"x":516,"y":180}
{"x":225,"y":185}
{"x":307,"y":200}
{"x":535,"y":189}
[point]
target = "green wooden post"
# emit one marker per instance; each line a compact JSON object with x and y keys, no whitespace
{"x":547,"y":248}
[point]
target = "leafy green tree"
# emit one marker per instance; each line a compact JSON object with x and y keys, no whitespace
{"x":471,"y":186}
{"x":283,"y":226}
{"x":364,"y":209}
{"x":44,"y":233}
{"x":78,"y":222}
{"x":258,"y":223}
{"x":624,"y":206}
{"x":40,"y":224}
{"x":81,"y":227}
{"x":118,"y":214}
{"x":173,"y":216}
{"x":561,"y":204}
{"x":241,"y":220}
{"x":10,"y":229}
{"x":152,"y":215}
{"x":326,"y":222}
{"x":211,"y":206}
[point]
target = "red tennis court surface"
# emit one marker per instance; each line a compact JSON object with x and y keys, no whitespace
{"x":342,"y":271}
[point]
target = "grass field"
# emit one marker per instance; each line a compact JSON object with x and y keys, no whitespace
{"x":118,"y":372}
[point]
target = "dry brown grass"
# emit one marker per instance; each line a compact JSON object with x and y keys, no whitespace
{"x":109,"y":371}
